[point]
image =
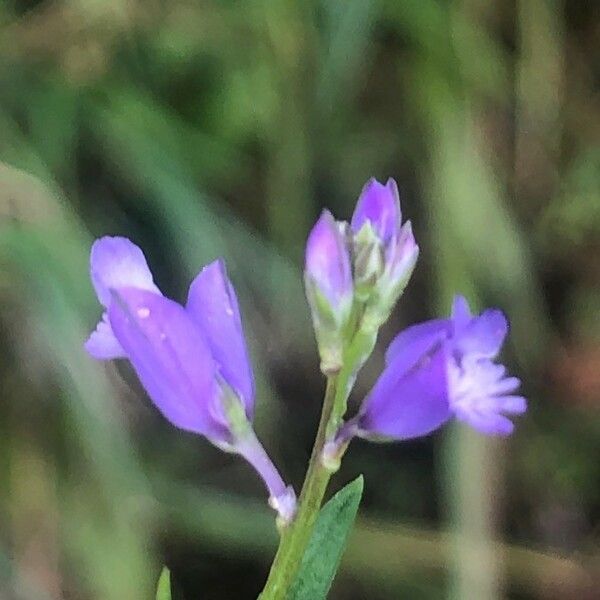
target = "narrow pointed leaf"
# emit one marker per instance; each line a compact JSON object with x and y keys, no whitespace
{"x":163,"y":590}
{"x":322,"y":558}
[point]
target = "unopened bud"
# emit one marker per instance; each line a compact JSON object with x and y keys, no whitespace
{"x":329,"y":287}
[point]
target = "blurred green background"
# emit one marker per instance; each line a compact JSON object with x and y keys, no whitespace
{"x":204,"y":129}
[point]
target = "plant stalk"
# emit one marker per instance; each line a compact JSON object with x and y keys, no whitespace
{"x":296,"y":536}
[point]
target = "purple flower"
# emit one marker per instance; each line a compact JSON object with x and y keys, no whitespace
{"x":178,"y":353}
{"x":327,"y":269}
{"x":329,"y":287}
{"x":191,"y":360}
{"x":378,"y":205}
{"x":385,"y":250}
{"x":440,"y":369}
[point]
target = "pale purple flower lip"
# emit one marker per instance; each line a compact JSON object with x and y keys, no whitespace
{"x":480,"y":392}
{"x":439,"y":369}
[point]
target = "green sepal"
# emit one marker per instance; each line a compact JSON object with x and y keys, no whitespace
{"x":368,"y":261}
{"x":330,"y":326}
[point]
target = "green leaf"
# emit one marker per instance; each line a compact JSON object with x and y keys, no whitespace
{"x":327,"y":543}
{"x":163,"y":591}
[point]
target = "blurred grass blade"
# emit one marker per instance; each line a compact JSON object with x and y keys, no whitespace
{"x":321,"y":561}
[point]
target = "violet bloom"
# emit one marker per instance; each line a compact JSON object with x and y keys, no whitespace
{"x":327,"y":268}
{"x":329,"y":286}
{"x":437,"y":370}
{"x":191,"y":360}
{"x":385,"y":251}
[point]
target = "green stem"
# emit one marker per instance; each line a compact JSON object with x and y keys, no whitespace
{"x":295,"y":537}
{"x":358,"y":351}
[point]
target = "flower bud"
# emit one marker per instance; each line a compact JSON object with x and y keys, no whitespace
{"x":329,"y":287}
{"x":400,"y":260}
{"x":378,"y":205}
{"x":385,"y":251}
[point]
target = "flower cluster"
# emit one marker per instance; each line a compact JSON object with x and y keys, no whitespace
{"x":434,"y":371}
{"x":193,"y":362}
{"x":354,"y":273}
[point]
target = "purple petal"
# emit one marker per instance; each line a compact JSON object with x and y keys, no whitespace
{"x":477,"y":394}
{"x":506,"y":385}
{"x":483,"y":335}
{"x":488,"y":423}
{"x":171,"y":358}
{"x":102,"y":344}
{"x":412,"y":343}
{"x":512,"y":405}
{"x":212,"y":303}
{"x":116,"y":262}
{"x":410,"y":405}
{"x":461,"y":313}
{"x":380,"y":205}
{"x":328,"y":260}
{"x":402,"y":253}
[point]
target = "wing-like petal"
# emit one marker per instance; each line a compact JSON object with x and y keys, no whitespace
{"x":213,"y":305}
{"x":116,"y":262}
{"x":415,"y":341}
{"x":483,"y":335}
{"x":461,"y":313}
{"x":407,"y":405}
{"x":172,"y":359}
